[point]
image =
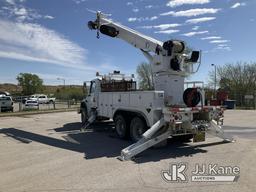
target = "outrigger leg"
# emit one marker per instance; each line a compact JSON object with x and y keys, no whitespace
{"x":216,"y":130}
{"x":151,"y":137}
{"x":91,"y":119}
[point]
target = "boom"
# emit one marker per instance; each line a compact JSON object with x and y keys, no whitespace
{"x":135,"y":38}
{"x":113,"y":29}
{"x":169,"y":62}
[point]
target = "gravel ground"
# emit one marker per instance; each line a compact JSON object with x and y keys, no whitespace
{"x":47,"y":152}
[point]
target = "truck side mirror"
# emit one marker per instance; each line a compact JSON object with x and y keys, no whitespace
{"x":85,"y":88}
{"x":194,"y":57}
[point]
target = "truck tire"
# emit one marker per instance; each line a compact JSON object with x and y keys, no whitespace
{"x":137,"y":128}
{"x":121,"y":126}
{"x":84,"y":115}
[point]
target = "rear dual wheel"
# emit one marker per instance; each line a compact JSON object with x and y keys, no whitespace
{"x":137,"y":128}
{"x":126,"y":127}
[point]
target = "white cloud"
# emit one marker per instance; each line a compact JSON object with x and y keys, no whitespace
{"x":32,"y":42}
{"x":48,"y":17}
{"x":132,"y":19}
{"x":219,"y":41}
{"x":191,"y":12}
{"x":161,"y":27}
{"x":222,"y":45}
{"x":175,"y":3}
{"x":200,"y":20}
{"x":135,"y":10}
{"x":167,"y":31}
{"x":17,"y":11}
{"x":224,"y":48}
{"x":236,"y":5}
{"x":12,"y":2}
{"x":79,"y":1}
{"x":140,"y":19}
{"x":21,"y":11}
{"x":211,"y":38}
{"x":153,"y":18}
{"x":193,"y":33}
{"x":195,"y":28}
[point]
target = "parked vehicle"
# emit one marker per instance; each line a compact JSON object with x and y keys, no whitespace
{"x":4,"y":93}
{"x":6,"y":103}
{"x":41,"y":98}
{"x":31,"y":103}
{"x":20,"y":99}
{"x":150,"y":117}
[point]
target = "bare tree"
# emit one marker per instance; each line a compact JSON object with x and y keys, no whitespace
{"x":145,"y":76}
{"x":238,"y":79}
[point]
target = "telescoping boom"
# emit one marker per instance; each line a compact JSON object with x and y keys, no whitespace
{"x":168,"y":59}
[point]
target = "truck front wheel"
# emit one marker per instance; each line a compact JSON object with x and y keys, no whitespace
{"x":84,"y":115}
{"x":137,"y":128}
{"x":121,"y":126}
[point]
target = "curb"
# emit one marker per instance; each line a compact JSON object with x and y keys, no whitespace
{"x":16,"y":114}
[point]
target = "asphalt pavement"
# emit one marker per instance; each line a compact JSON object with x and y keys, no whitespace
{"x":48,"y":152}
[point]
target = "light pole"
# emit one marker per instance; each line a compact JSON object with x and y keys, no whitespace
{"x":62,"y":80}
{"x":215,"y":80}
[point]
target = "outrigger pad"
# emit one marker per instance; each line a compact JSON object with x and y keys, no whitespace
{"x":216,"y":130}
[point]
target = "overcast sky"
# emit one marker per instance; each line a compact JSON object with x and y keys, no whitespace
{"x":50,"y":37}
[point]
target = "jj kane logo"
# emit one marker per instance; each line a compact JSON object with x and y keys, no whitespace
{"x":176,"y":173}
{"x":201,"y":173}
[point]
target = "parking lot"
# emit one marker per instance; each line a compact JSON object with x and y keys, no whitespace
{"x":47,"y":152}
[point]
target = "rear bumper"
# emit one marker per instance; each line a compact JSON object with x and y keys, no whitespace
{"x":192,"y":120}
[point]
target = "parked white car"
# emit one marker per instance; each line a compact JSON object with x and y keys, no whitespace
{"x":41,"y":99}
{"x":6,"y":103}
{"x":31,"y":103}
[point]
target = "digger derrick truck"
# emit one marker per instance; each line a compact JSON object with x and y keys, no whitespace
{"x":151,"y":117}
